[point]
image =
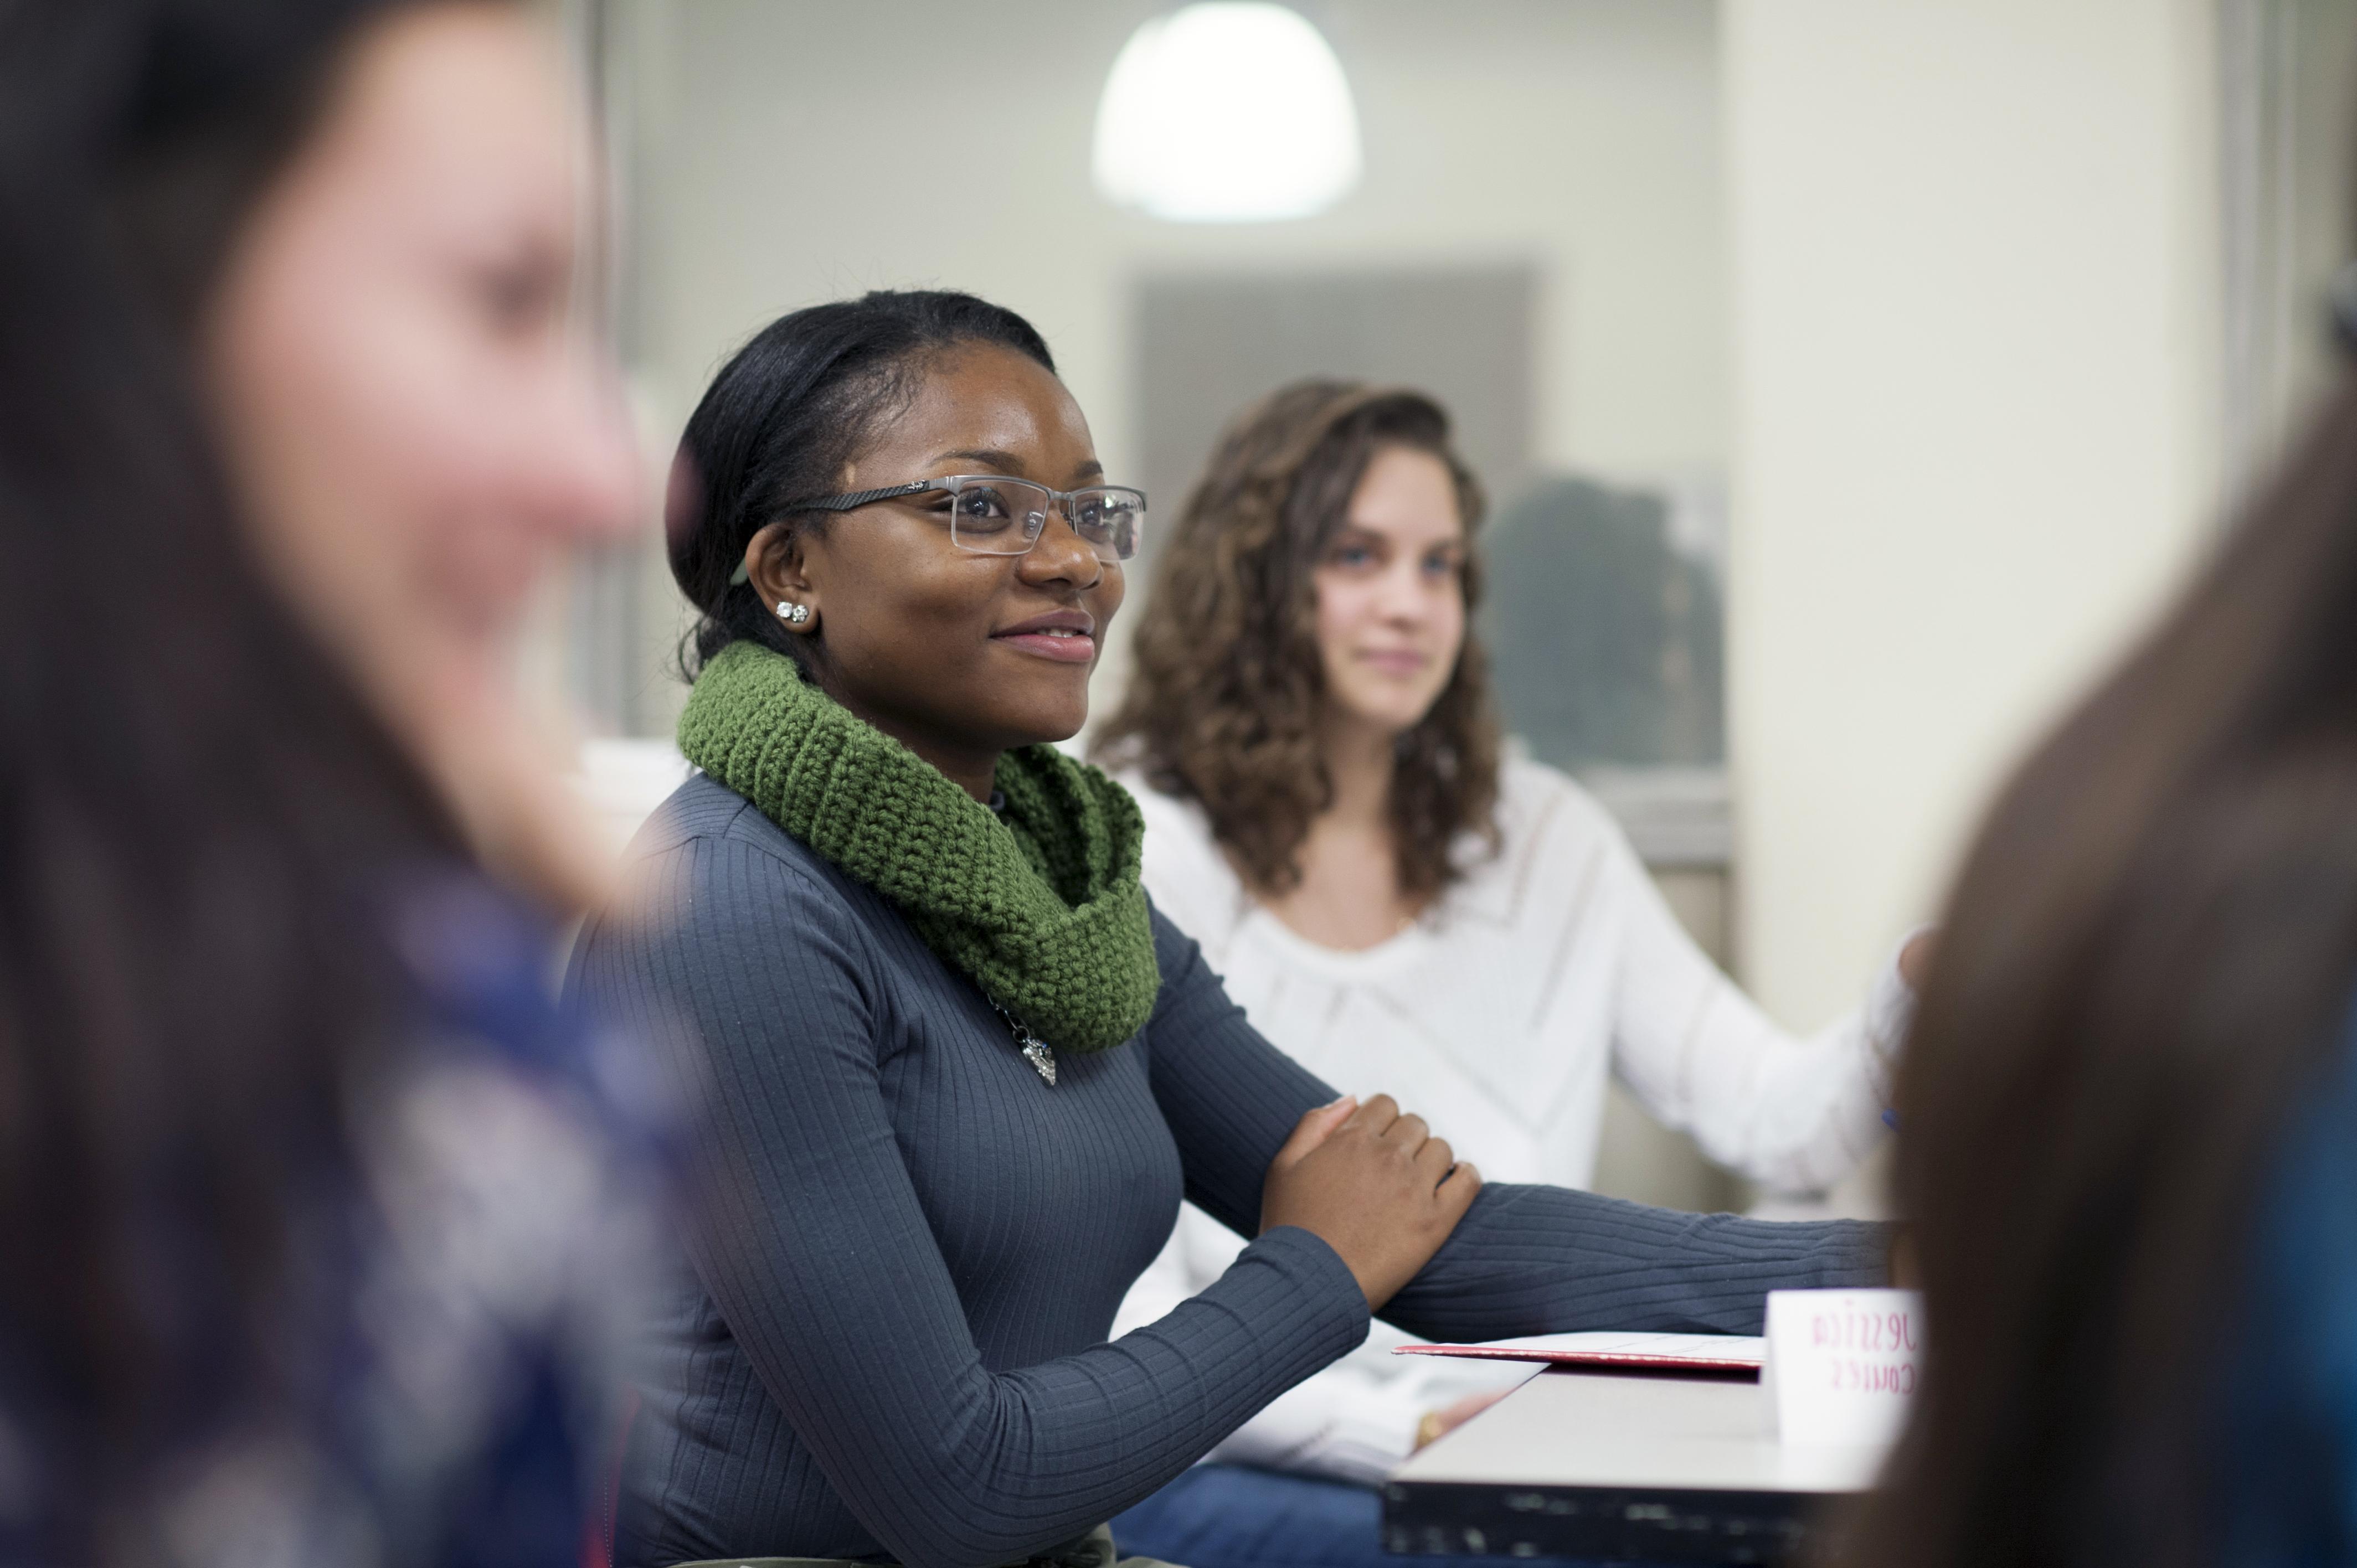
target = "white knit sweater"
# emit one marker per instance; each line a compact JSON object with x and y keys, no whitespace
{"x":1497,"y":1016}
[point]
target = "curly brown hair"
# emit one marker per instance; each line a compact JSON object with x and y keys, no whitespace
{"x":1223,"y":706}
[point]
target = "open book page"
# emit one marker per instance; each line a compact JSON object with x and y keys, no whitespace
{"x":1714,"y":1352}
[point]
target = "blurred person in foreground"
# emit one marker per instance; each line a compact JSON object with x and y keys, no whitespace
{"x":309,"y":1225}
{"x":1396,"y":902}
{"x":2129,"y":1101}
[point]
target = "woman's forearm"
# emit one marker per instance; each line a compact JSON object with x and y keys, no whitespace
{"x":1525,"y":1259}
{"x":1793,"y":1113}
{"x":1549,"y":1260}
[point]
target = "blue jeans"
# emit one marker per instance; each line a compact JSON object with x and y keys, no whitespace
{"x":1222,"y":1516}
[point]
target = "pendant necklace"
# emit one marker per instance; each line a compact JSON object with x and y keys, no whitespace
{"x":1035,"y":1050}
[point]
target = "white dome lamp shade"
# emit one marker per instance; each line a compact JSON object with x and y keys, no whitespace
{"x":1227,"y":111}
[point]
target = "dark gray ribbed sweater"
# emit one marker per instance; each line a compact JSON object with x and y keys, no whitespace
{"x":905,"y":1249}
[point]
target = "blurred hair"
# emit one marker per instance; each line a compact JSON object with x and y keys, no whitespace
{"x":1223,"y":705}
{"x":191,"y":799}
{"x":779,"y":424}
{"x":2142,"y":968}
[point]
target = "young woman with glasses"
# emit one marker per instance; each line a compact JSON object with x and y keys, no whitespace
{"x":949,"y":1072}
{"x":1395,"y":900}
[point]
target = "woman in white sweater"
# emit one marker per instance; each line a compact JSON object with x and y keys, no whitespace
{"x":1399,"y":906}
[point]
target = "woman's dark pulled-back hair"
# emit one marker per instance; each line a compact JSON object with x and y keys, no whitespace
{"x":1223,"y":706}
{"x":779,"y":424}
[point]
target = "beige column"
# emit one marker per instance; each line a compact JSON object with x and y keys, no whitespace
{"x":1974,"y":425}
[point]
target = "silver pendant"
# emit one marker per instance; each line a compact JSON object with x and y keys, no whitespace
{"x":1039,"y":1055}
{"x":1035,"y":1050}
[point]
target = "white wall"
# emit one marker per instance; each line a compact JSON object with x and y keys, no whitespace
{"x":791,"y":151}
{"x":778,"y":153}
{"x":1974,"y":434}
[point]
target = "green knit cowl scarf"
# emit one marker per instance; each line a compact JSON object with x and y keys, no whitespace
{"x":1043,"y":909}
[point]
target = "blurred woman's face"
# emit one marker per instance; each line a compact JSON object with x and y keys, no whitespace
{"x":1391,"y":594}
{"x":414,"y":422}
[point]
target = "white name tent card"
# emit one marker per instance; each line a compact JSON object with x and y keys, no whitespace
{"x":1842,"y":1365}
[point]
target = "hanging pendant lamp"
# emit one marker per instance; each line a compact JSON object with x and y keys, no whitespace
{"x":1227,"y":111}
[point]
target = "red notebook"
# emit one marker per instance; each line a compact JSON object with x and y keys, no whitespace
{"x":1722,"y":1354}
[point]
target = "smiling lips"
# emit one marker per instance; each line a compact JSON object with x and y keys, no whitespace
{"x":1067,"y":637}
{"x":1395,"y":662}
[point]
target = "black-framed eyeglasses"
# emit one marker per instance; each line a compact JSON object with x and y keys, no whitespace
{"x":990,"y":514}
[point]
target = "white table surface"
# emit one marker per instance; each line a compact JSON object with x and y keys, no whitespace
{"x":1582,"y":1429}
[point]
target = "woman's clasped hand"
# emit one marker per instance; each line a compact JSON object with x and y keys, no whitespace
{"x":1371,"y":1182}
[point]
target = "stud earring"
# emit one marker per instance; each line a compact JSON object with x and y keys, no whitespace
{"x":792,"y":615}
